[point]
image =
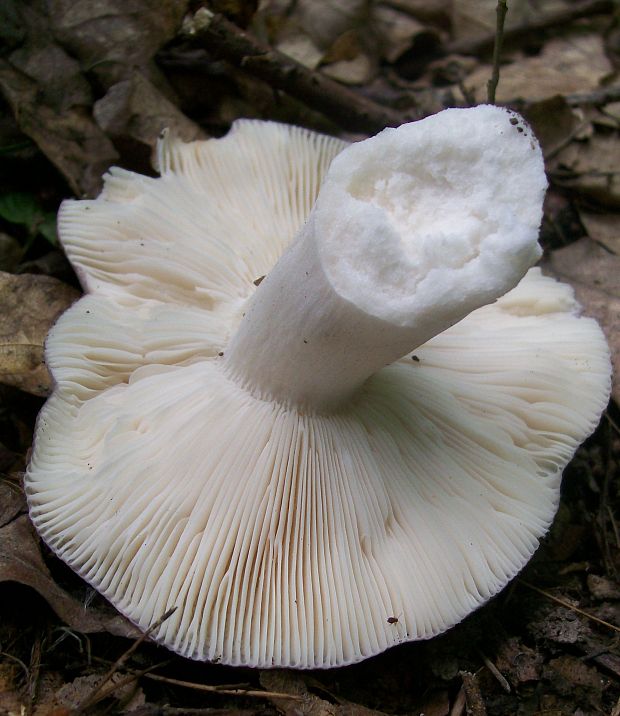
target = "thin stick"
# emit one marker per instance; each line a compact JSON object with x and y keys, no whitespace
{"x":568,"y":605}
{"x":218,"y":690}
{"x":495,"y":671}
{"x":597,"y":98}
{"x":502,"y":9}
{"x":114,"y":686}
{"x":35,"y":672}
{"x":92,"y":697}
{"x":349,"y":109}
{"x":460,"y":703}
{"x":229,"y":689}
{"x":473,"y":697}
{"x":612,"y":422}
{"x":17,"y":661}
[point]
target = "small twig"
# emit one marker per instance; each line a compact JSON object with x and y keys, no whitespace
{"x":35,"y":671}
{"x":114,"y":686}
{"x":475,"y":702}
{"x":218,"y":690}
{"x":165,"y":710}
{"x":612,"y":422}
{"x":501,"y":10}
{"x":575,"y":11}
{"x":460,"y":703}
{"x":597,"y":98}
{"x":568,"y":605}
{"x":347,"y":108}
{"x":93,"y":696}
{"x":17,"y":661}
{"x":614,"y":526}
{"x":503,"y":682}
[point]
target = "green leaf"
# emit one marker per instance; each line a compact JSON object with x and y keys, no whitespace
{"x":47,"y":228}
{"x":20,"y":208}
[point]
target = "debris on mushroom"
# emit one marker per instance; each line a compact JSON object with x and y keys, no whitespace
{"x":355,"y":453}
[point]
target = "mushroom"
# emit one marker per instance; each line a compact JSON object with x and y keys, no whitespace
{"x":354,"y":452}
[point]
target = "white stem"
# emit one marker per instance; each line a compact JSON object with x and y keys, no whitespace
{"x":302,"y":344}
{"x":412,"y":230}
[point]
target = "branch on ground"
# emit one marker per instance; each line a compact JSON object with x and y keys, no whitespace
{"x":342,"y":105}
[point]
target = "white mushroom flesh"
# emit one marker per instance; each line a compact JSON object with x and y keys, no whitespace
{"x":300,"y":502}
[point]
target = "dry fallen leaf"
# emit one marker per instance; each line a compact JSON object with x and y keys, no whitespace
{"x":571,"y":677}
{"x":564,"y":66}
{"x":591,"y":168}
{"x":326,"y":20}
{"x":395,"y":30}
{"x":517,"y":662}
{"x":109,"y":37}
{"x":309,"y":703}
{"x":68,"y":137}
{"x":10,"y":699}
{"x":593,"y":272}
{"x":603,"y":588}
{"x":358,"y":71}
{"x":603,"y":228}
{"x":135,"y":109}
{"x":12,"y":500}
{"x":74,"y":693}
{"x":300,"y":47}
{"x":21,"y":561}
{"x":477,"y":19}
{"x":436,"y":703}
{"x":58,"y":76}
{"x":30,"y":305}
{"x":556,"y":123}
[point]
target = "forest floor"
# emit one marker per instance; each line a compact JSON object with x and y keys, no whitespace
{"x":86,"y":85}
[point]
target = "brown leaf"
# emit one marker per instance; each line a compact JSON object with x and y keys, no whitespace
{"x":519,"y":662}
{"x":326,"y":20}
{"x":110,"y":36}
{"x":358,"y":71}
{"x":436,"y":703}
{"x":68,"y":137}
{"x":396,"y":31}
{"x":565,"y":66}
{"x":134,"y":108}
{"x":603,"y":228}
{"x":592,"y":168}
{"x":333,"y":32}
{"x":21,"y":561}
{"x":554,"y":122}
{"x":559,"y":625}
{"x":59,"y":78}
{"x":73,"y":694}
{"x":310,"y":703}
{"x":10,"y":700}
{"x":593,"y":272}
{"x":603,"y":587}
{"x":30,"y":305}
{"x":569,"y":674}
{"x":477,"y":19}
{"x":12,"y":500}
{"x":300,"y":46}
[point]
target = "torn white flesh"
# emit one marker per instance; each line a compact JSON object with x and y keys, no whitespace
{"x":412,"y":230}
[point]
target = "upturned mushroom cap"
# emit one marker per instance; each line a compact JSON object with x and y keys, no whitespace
{"x":287,"y":533}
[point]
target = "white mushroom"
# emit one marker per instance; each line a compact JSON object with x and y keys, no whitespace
{"x":274,"y":461}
